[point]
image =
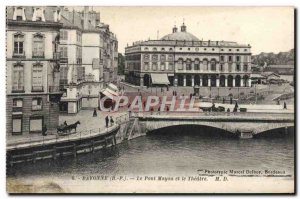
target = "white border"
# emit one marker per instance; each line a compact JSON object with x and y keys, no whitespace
{"x":3,"y":193}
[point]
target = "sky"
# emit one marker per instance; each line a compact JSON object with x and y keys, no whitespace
{"x":266,"y":29}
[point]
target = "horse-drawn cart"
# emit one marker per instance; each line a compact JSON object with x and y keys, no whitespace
{"x":65,"y":129}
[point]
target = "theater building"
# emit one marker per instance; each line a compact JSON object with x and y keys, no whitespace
{"x":181,"y":59}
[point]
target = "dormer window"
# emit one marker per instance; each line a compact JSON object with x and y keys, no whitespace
{"x":19,"y":14}
{"x":38,"y":14}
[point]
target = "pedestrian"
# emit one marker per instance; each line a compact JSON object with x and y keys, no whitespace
{"x":65,"y":123}
{"x":106,"y":121}
{"x":173,"y":93}
{"x":278,"y":101}
{"x":44,"y":130}
{"x":167,"y":87}
{"x":236,"y":105}
{"x":284,"y":105}
{"x":167,"y":108}
{"x":223,"y":100}
{"x":95,"y":113}
{"x":230,"y":100}
{"x":161,"y":90}
{"x":228,"y":110}
{"x":191,"y":95}
{"x":111,"y":121}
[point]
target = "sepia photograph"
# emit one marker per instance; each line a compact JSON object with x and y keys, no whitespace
{"x":150,"y":99}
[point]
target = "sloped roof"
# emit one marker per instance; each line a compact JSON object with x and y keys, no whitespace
{"x":49,"y":12}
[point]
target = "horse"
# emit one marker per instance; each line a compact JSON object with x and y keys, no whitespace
{"x":71,"y":127}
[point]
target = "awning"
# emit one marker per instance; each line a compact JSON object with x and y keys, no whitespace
{"x":112,"y":92}
{"x":160,"y":79}
{"x":113,"y":87}
{"x":107,"y":94}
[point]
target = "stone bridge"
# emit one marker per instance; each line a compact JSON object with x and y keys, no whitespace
{"x":247,"y":124}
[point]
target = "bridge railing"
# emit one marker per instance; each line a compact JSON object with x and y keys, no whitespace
{"x":227,"y":114}
{"x":56,"y":138}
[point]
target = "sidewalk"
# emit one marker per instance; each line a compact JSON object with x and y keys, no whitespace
{"x":88,"y":126}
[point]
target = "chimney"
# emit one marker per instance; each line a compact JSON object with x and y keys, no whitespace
{"x":183,"y":28}
{"x":85,"y":17}
{"x":174,"y":29}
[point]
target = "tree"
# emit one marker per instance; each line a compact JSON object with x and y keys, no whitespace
{"x":121,"y":64}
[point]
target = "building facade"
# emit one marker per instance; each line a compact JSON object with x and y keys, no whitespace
{"x":89,"y":59}
{"x":32,"y":69}
{"x":184,"y":60}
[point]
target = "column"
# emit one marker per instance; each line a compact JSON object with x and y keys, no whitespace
{"x":218,"y":82}
{"x":200,"y":83}
{"x":208,"y":81}
{"x":141,"y":81}
{"x":233,"y":82}
{"x":184,"y":80}
{"x":193,"y":80}
{"x":242,"y":82}
{"x":226,"y":82}
{"x":249,"y":82}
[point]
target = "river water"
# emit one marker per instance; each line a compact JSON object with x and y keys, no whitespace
{"x":172,"y":151}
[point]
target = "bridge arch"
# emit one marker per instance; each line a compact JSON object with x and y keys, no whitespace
{"x":192,"y":129}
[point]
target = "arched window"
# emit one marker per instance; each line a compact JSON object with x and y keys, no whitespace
{"x":162,"y":49}
{"x":180,"y":64}
{"x":154,"y":49}
{"x":170,"y":58}
{"x":146,"y":48}
{"x":188,"y":64}
{"x":245,"y":67}
{"x":213,"y":65}
{"x":197,"y":64}
{"x":38,"y":45}
{"x":238,"y":67}
{"x":170,"y":49}
{"x":205,"y":64}
{"x":163,"y":57}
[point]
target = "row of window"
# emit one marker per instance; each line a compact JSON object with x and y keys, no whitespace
{"x":162,"y":57}
{"x":35,"y":105}
{"x":196,"y":49}
{"x":188,"y":66}
{"x":19,"y":14}
{"x":229,"y":58}
{"x":37,"y":45}
{"x":18,"y":77}
{"x":161,"y":66}
{"x":35,"y":124}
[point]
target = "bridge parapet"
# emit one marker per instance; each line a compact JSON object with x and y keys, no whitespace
{"x":231,"y":122}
